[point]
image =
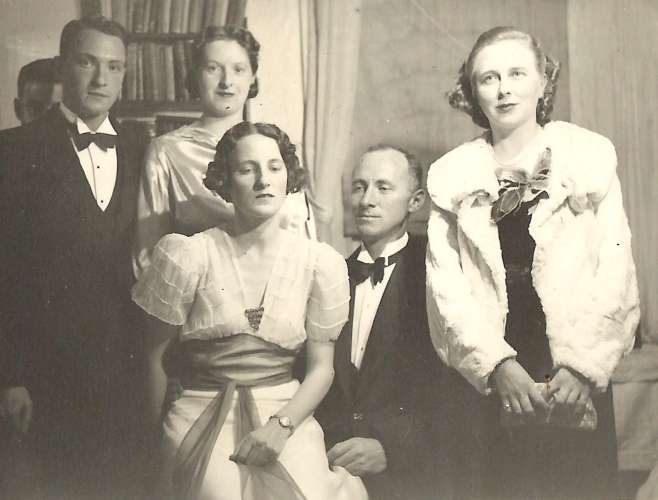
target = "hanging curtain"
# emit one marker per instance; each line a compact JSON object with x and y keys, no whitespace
{"x":330,"y":55}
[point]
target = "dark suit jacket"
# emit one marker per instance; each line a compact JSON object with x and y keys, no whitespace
{"x":68,"y":325}
{"x":393,"y":396}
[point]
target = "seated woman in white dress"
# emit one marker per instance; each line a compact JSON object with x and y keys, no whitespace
{"x":248,"y":296}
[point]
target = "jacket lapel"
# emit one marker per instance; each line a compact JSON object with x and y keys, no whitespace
{"x":60,"y":174}
{"x":389,"y":322}
{"x":474,"y":220}
{"x":126,"y":186}
{"x":343,"y":348}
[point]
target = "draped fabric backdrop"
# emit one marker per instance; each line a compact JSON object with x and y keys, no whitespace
{"x":614,"y":68}
{"x":330,"y":41}
{"x":613,"y":84}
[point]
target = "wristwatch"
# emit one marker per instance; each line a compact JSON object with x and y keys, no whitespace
{"x":285,"y":422}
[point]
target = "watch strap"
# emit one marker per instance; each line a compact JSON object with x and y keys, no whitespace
{"x":285,"y":422}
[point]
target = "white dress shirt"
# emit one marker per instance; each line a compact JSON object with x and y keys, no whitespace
{"x":100,"y":167}
{"x":367,"y":298}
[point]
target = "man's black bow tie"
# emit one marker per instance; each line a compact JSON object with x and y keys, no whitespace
{"x":374,"y":271}
{"x":82,"y":141}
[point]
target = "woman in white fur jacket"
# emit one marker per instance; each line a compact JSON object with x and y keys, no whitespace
{"x":530,"y":280}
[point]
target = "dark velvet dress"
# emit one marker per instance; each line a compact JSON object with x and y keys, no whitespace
{"x":529,"y":462}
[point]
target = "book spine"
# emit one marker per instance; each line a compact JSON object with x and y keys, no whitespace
{"x":170,"y":78}
{"x":120,"y":12}
{"x":208,"y":12}
{"x":154,"y":14}
{"x":146,"y":64}
{"x":187,"y":62}
{"x":158,"y":71}
{"x":140,"y":21}
{"x":180,"y":71}
{"x":139,"y":70}
{"x":164,"y":16}
{"x":195,"y":22}
{"x":221,"y":11}
{"x":106,"y":8}
{"x":139,"y":10}
{"x":130,"y":6}
{"x":131,"y":73}
{"x":185,"y":20}
{"x":176,"y":21}
{"x":240,"y":13}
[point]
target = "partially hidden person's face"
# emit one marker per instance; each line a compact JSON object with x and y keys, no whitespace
{"x":383,"y":195}
{"x":37,"y":98}
{"x":225,"y":78}
{"x":258,"y":177}
{"x":507,"y":84}
{"x":92,"y":74}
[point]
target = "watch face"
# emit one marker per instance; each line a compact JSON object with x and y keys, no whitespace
{"x":285,"y":421}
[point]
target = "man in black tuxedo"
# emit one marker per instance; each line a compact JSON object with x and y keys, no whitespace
{"x":378,"y":416}
{"x":70,"y":377}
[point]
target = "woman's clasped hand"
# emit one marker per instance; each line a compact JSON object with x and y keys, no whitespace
{"x":518,"y":392}
{"x":521,"y":395}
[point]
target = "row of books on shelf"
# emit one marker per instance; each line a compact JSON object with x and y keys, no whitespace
{"x":173,"y":16}
{"x":157,"y":71}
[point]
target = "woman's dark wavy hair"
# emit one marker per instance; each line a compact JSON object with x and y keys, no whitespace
{"x":462,"y":95}
{"x":227,"y":33}
{"x":218,"y":176}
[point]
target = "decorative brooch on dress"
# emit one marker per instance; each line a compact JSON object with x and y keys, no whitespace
{"x":514,"y":185}
{"x":254,"y":316}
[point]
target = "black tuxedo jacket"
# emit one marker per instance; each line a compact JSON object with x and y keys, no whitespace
{"x":393,"y":397}
{"x":67,"y":319}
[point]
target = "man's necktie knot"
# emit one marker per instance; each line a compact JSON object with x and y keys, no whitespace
{"x":82,"y":141}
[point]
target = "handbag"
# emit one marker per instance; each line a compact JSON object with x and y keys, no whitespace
{"x":555,"y":416}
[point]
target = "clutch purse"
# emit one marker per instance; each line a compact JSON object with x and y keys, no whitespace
{"x":555,"y":416}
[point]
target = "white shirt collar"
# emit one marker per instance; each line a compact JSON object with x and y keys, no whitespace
{"x":390,"y":249}
{"x":105,"y":128}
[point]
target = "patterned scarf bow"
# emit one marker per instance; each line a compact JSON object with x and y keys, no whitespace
{"x":514,"y":185}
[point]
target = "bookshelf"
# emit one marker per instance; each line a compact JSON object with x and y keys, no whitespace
{"x":159,"y":55}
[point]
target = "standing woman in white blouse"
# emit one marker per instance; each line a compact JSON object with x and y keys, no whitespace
{"x":532,"y":294}
{"x":243,"y":299}
{"x":172,"y":198}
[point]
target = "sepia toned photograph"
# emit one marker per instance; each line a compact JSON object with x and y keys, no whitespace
{"x":328,"y":250}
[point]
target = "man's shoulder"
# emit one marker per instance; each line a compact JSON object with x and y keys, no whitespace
{"x":417,"y":244}
{"x":415,"y":251}
{"x":20,"y":144}
{"x":11,"y":135}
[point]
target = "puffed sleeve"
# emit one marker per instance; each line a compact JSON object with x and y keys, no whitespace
{"x":328,"y":304}
{"x":166,"y":289}
{"x":154,"y":218}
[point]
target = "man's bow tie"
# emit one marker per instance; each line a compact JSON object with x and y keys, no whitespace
{"x":374,"y":271}
{"x":82,"y":141}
